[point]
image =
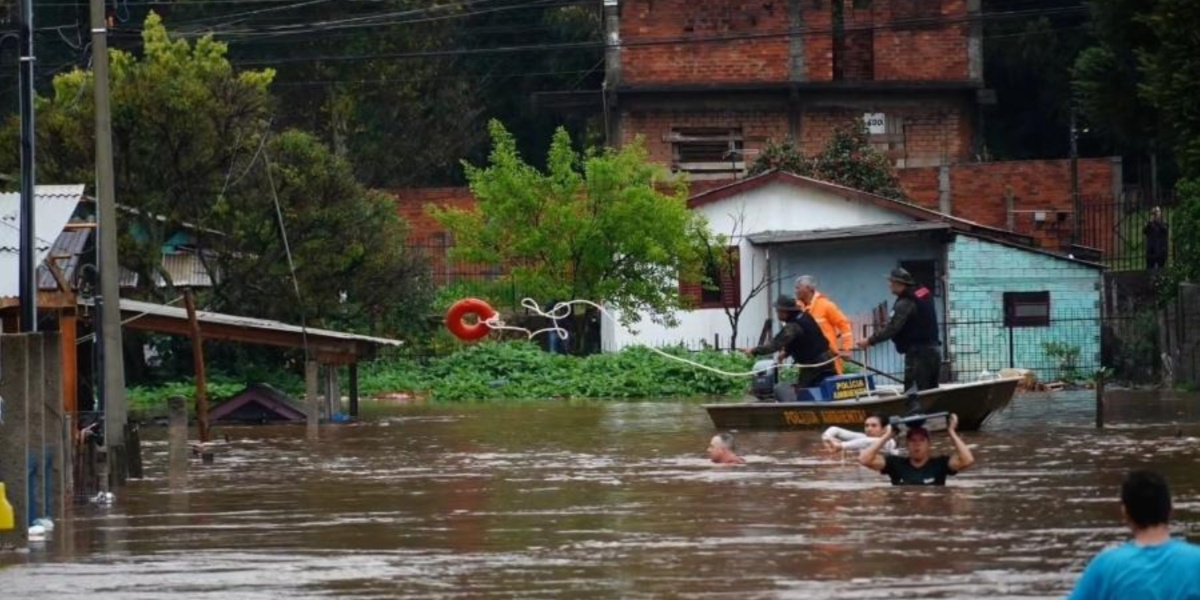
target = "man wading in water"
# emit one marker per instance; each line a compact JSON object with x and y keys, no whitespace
{"x":720,"y":450}
{"x":918,"y":468}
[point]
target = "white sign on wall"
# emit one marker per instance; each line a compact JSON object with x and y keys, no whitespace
{"x":875,"y":122}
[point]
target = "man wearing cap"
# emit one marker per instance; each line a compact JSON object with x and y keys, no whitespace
{"x":913,"y":328}
{"x":801,"y":339}
{"x":918,"y":468}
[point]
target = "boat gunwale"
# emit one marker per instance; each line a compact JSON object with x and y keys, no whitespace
{"x":864,"y":400}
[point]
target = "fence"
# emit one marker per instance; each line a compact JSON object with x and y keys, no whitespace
{"x":1116,"y":229}
{"x":1071,"y":346}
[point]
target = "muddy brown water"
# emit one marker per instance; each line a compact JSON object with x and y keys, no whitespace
{"x":613,"y":501}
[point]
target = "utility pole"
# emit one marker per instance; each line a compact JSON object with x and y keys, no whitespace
{"x":107,"y":230}
{"x":28,"y":250}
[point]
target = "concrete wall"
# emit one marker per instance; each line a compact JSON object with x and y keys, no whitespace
{"x":980,"y":272}
{"x":33,"y":432}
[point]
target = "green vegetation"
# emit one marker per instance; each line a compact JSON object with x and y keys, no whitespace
{"x":522,"y":371}
{"x":605,"y":225}
{"x":848,"y":159}
{"x":1068,"y":359}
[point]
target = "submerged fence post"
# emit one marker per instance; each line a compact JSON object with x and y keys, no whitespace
{"x":177,"y":441}
{"x":1100,"y":400}
{"x":311,"y":398}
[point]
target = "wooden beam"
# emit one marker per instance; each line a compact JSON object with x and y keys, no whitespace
{"x":198,"y":362}
{"x":70,"y":363}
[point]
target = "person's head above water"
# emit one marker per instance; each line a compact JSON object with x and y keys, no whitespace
{"x":917,"y":441}
{"x":1145,"y":500}
{"x":721,"y":449}
{"x":874,"y":425}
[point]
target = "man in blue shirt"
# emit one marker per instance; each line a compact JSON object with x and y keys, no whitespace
{"x":1152,"y":566}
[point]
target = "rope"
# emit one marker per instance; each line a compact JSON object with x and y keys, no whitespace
{"x":562,"y":310}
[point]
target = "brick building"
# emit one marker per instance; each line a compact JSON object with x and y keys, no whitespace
{"x":706,"y":83}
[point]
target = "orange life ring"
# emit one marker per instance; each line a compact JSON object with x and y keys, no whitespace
{"x":469,"y":306}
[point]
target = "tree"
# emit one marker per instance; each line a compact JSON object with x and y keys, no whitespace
{"x":723,"y":261}
{"x":601,"y":225}
{"x":1172,"y":85}
{"x":848,"y":159}
{"x":1105,"y":76}
{"x":193,"y":143}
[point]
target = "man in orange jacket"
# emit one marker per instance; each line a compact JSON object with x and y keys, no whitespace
{"x":829,"y":317}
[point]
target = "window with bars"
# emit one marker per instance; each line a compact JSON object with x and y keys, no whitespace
{"x":708,"y":152}
{"x":1026,"y":309}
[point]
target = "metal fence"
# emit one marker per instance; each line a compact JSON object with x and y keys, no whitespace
{"x":1117,"y":230}
{"x":1070,"y":347}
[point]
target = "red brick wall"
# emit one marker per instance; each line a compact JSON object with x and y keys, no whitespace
{"x":905,"y":51}
{"x":664,"y":41}
{"x":411,"y":205}
{"x":757,"y":128}
{"x":977,"y":192}
{"x":930,"y":133}
{"x":921,"y":185}
{"x":755,"y":59}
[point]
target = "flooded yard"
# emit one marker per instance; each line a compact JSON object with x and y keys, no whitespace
{"x":613,"y":500}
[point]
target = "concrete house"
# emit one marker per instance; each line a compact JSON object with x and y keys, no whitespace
{"x":1000,"y":300}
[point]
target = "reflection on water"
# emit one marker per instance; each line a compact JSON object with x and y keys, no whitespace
{"x":611,"y":500}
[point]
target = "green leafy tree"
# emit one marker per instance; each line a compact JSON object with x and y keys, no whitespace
{"x":1172,"y":85}
{"x":601,"y":225}
{"x":848,"y":159}
{"x":1106,"y":75}
{"x":193,"y":144}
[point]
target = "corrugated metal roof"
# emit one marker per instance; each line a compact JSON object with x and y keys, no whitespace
{"x":171,"y":312}
{"x":54,"y":206}
{"x":186,"y":270}
{"x":69,"y":245}
{"x":767,"y":238}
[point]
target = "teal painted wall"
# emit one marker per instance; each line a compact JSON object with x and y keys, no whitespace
{"x":979,"y":272}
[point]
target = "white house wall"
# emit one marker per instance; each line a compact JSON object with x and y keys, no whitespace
{"x":772,"y":207}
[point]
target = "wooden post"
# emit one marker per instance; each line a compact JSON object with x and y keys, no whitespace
{"x":334,"y":399}
{"x":1100,"y":400}
{"x":198,"y":363}
{"x":353,"y":389}
{"x":177,"y":444}
{"x":311,"y":398}
{"x":70,"y":363}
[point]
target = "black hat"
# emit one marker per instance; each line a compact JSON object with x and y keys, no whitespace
{"x":900,"y":275}
{"x":786,"y":302}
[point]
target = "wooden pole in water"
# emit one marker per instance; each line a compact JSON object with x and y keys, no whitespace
{"x":177,"y":448}
{"x":1100,"y":400}
{"x":198,"y":363}
{"x":313,"y":403}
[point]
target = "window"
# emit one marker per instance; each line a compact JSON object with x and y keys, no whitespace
{"x":925,"y":272}
{"x":889,"y":141}
{"x":722,"y":287}
{"x":708,"y":153}
{"x":1026,"y":309}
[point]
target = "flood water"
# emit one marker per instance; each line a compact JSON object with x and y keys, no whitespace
{"x":613,"y":500}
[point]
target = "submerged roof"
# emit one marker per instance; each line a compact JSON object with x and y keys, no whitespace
{"x":329,"y":346}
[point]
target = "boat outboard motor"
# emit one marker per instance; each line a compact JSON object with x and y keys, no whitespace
{"x":767,"y":375}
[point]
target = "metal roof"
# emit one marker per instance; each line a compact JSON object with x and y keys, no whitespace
{"x":54,"y":206}
{"x":205,"y":317}
{"x":65,"y":253}
{"x":768,"y":238}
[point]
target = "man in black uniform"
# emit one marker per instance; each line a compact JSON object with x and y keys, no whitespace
{"x":913,"y":328}
{"x":802,"y":339}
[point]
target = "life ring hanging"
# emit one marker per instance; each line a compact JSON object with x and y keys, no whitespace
{"x":469,"y":306}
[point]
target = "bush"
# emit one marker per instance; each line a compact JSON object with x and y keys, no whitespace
{"x":522,"y":371}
